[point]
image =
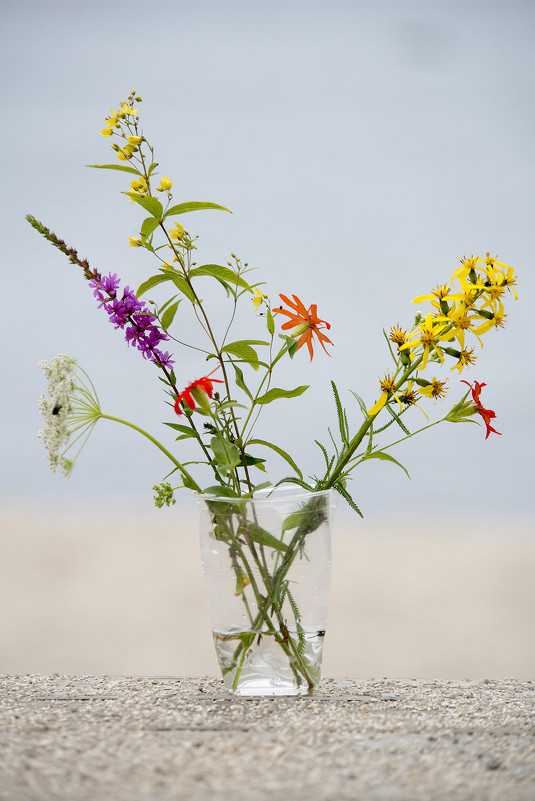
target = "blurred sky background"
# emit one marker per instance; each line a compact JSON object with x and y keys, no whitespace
{"x":362,"y":147}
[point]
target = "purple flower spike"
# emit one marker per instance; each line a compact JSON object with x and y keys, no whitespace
{"x":129,"y":311}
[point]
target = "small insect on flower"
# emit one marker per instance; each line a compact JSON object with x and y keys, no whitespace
{"x":194,"y":391}
{"x":486,"y":414}
{"x":305,"y":323}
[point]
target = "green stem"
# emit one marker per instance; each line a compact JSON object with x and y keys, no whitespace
{"x":191,"y":482}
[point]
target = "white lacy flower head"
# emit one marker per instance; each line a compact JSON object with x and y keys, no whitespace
{"x":70,"y":405}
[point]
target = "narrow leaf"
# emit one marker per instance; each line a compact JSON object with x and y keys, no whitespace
{"x":151,"y":282}
{"x":275,"y":394}
{"x":169,"y":315}
{"x":398,"y":421}
{"x":345,"y":494}
{"x":270,"y":322}
{"x":181,"y":283}
{"x":222,"y":273}
{"x":240,"y":382}
{"x":386,"y":458}
{"x":263,"y":537}
{"x":194,"y":205}
{"x":278,"y":450}
{"x":120,"y":167}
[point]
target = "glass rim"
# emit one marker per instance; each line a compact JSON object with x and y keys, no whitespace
{"x":268,"y":495}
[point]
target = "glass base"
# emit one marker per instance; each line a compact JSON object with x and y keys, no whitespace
{"x":263,"y":668}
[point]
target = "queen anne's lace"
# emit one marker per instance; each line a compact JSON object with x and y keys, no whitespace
{"x":55,"y":407}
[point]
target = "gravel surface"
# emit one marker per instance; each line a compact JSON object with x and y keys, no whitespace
{"x":87,"y":738}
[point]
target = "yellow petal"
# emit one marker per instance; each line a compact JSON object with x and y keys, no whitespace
{"x":376,"y":408}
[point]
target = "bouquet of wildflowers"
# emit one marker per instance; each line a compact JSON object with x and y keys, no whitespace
{"x":219,"y":412}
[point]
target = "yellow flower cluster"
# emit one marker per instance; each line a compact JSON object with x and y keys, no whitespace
{"x":474,"y":307}
{"x":125,"y":115}
{"x":126,"y":110}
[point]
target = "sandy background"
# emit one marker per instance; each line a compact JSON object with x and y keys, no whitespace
{"x":106,"y":592}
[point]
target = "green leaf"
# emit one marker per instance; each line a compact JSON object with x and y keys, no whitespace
{"x":167,"y":275}
{"x":169,"y":315}
{"x":194,"y":205}
{"x":151,"y":282}
{"x":345,"y":494}
{"x":361,"y":403}
{"x":386,"y":458}
{"x":167,"y":303}
{"x":278,"y":450}
{"x":275,"y":394}
{"x":185,"y":431}
{"x":222,"y":273}
{"x":254,"y":461}
{"x":342,"y":419}
{"x":148,"y":226}
{"x":226,"y":454}
{"x":292,"y":344}
{"x":293,"y":521}
{"x":220,"y":489}
{"x":262,"y":537}
{"x":150,"y":204}
{"x":120,"y":167}
{"x":181,"y":283}
{"x":243,"y":351}
{"x":240,"y":382}
{"x":397,"y":419}
{"x":270,"y":322}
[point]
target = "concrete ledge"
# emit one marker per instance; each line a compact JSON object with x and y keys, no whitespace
{"x":89,"y":738}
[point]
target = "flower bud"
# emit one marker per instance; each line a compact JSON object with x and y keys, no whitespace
{"x":201,"y":399}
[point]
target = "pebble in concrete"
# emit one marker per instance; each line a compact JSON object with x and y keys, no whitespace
{"x":88,"y":738}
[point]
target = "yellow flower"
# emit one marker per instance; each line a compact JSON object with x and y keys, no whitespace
{"x":177,"y":232}
{"x":135,"y":140}
{"x":134,"y":243}
{"x":397,"y":334}
{"x":165,"y":184}
{"x":440,"y":292}
{"x":428,"y":335}
{"x":258,"y":299}
{"x":123,"y":154}
{"x":387,"y":387}
{"x":128,"y":109}
{"x":410,"y":397}
{"x":465,"y":358}
{"x":106,"y":132}
{"x":433,"y":389}
{"x":139,"y":186}
{"x":462,"y":322}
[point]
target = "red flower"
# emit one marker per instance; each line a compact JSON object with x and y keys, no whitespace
{"x":486,"y":414}
{"x":306,"y":322}
{"x":205,"y":384}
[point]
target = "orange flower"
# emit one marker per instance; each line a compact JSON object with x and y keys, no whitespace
{"x":205,"y":384}
{"x":305,"y":322}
